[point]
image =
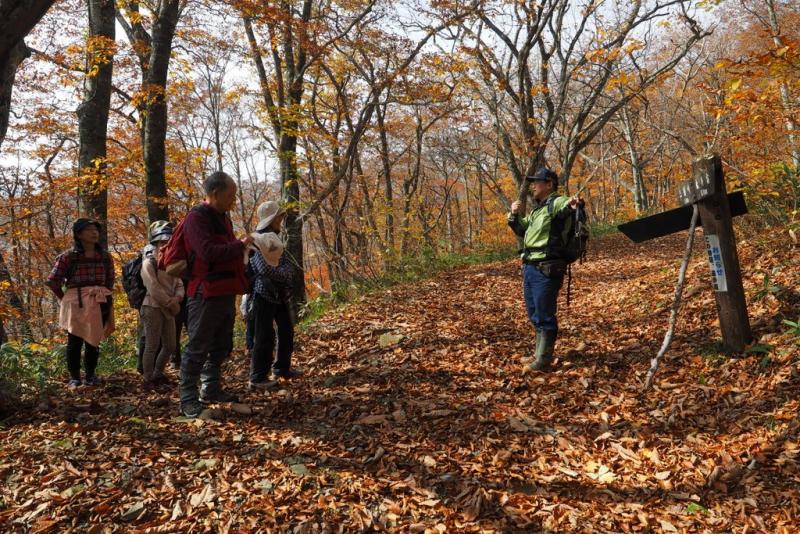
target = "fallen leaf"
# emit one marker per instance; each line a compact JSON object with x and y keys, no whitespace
{"x":373,"y":420}
{"x":429,"y":461}
{"x":439,"y":413}
{"x":299,"y":469}
{"x":133,"y":513}
{"x":243,"y":409}
{"x":388,"y":340}
{"x":177,"y":513}
{"x":666,"y":526}
{"x":203,"y":496}
{"x":568,"y":472}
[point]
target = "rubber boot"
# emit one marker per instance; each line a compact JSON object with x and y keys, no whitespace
{"x":190,"y":378}
{"x":211,"y":389}
{"x":545,"y":344}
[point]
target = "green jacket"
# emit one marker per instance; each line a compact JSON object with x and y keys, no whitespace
{"x":544,"y":229}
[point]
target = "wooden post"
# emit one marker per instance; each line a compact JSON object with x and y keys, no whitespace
{"x":715,"y":215}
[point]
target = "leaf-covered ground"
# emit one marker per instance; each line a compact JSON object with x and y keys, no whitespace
{"x":414,"y":417}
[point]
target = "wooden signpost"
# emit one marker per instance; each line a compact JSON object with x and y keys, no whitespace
{"x":717,"y":209}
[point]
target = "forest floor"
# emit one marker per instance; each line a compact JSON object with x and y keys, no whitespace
{"x":414,"y":416}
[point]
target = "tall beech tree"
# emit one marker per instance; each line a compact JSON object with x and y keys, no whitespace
{"x":564,"y":73}
{"x":17,"y":19}
{"x":93,"y":111}
{"x":294,"y":45}
{"x":153,"y":49}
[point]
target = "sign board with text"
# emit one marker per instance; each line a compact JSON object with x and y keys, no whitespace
{"x":700,"y":187}
{"x":706,"y":191}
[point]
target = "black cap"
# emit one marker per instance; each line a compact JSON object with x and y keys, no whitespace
{"x":544,"y":175}
{"x":82,"y":223}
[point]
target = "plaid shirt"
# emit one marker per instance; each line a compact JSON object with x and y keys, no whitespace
{"x":271,"y":282}
{"x":97,"y":271}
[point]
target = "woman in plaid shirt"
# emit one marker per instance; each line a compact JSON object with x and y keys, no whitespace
{"x":86,"y":312}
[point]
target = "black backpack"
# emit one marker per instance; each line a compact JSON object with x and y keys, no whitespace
{"x":132,"y":281}
{"x":574,"y":249}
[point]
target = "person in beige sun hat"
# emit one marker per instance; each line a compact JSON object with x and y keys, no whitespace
{"x":271,"y":301}
{"x":265,"y":237}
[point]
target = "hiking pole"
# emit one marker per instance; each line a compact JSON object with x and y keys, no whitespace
{"x":569,"y":284}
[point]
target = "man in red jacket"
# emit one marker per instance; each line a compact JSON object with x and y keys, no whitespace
{"x":217,"y":276}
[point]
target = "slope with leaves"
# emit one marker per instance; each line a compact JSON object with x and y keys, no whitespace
{"x":414,"y":417}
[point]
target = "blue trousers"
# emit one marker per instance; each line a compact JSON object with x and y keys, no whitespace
{"x":541,"y":297}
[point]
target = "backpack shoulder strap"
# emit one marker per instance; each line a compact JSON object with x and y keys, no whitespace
{"x":549,"y":202}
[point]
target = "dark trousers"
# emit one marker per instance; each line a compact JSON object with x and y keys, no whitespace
{"x":181,"y":320}
{"x":91,"y":355}
{"x":541,"y":297}
{"x":266,"y":313}
{"x":210,"y":328}
{"x":250,"y":330}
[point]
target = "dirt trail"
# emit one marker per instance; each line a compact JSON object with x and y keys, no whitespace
{"x":414,"y":415}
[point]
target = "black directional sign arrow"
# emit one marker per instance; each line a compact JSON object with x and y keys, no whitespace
{"x":669,"y":222}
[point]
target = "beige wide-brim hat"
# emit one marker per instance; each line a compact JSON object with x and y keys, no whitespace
{"x":267,"y":213}
{"x":270,"y":246}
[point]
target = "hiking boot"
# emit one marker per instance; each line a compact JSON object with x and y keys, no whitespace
{"x":74,"y":383}
{"x":262,"y":385}
{"x":545,"y":343}
{"x":287,"y":374}
{"x":217,"y":397}
{"x":191,"y":409}
{"x":92,"y":381}
{"x":162,"y":380}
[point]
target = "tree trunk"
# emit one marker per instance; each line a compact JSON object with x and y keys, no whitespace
{"x":380,"y":114}
{"x":17,"y":19}
{"x":410,"y":185}
{"x":13,"y":300}
{"x":8,"y":71}
{"x":290,"y":68}
{"x":786,"y":98}
{"x":93,"y":111}
{"x":467,"y":207}
{"x":290,"y":191}
{"x":155,"y":120}
{"x":640,"y":200}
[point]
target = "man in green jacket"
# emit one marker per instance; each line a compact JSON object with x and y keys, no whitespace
{"x":544,"y":231}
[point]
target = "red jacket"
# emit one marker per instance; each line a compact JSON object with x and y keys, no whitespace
{"x":218,"y":264}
